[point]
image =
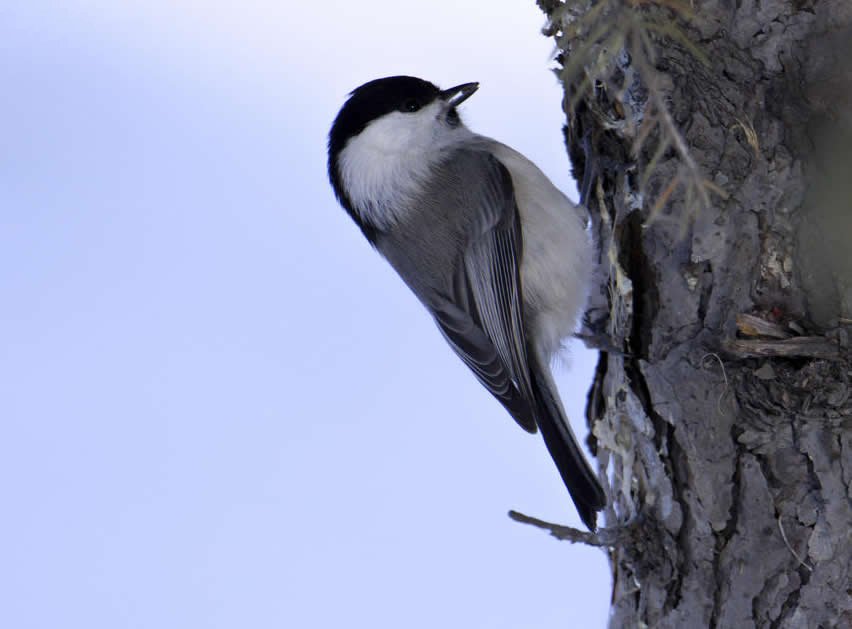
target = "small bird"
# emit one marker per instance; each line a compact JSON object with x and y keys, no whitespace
{"x":495,"y":252}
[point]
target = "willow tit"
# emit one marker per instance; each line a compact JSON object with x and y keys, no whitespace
{"x":496,"y":253}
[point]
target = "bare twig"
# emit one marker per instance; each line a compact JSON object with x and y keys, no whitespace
{"x":750,"y":325}
{"x":603,"y":538}
{"x":805,"y":346}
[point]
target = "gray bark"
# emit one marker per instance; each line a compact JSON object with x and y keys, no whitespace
{"x":721,"y":408}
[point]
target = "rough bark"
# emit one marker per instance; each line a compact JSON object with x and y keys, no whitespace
{"x":721,"y":408}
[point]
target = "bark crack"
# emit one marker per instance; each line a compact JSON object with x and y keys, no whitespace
{"x":723,"y":537}
{"x":680,"y":481}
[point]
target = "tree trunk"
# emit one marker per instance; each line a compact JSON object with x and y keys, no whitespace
{"x":721,"y":406}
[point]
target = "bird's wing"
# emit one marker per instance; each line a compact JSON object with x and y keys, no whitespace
{"x":482,"y":316}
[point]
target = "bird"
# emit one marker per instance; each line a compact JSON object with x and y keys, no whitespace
{"x":497,"y":254}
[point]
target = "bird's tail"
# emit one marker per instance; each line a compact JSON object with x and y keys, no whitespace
{"x":582,"y":484}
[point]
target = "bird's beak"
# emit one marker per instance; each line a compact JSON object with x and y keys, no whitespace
{"x":455,"y":96}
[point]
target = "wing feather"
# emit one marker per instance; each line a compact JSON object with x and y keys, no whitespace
{"x":483,"y":319}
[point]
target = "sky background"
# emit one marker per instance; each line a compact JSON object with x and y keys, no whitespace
{"x":218,"y":406}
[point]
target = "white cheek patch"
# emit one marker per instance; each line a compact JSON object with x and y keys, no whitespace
{"x":388,"y":161}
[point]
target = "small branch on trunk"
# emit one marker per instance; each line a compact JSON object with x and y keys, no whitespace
{"x":604,"y":538}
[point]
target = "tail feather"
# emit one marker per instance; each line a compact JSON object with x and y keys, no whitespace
{"x":582,"y":484}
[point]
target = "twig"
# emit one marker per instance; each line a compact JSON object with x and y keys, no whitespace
{"x":750,"y":325}
{"x":603,"y":538}
{"x":805,"y":346}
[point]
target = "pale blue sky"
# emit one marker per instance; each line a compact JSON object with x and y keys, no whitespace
{"x":218,"y":406}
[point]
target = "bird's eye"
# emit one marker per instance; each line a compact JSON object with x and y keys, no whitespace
{"x":411,"y":105}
